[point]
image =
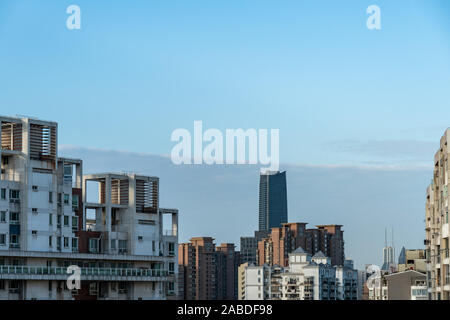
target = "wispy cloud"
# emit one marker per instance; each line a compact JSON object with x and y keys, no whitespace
{"x":391,"y":152}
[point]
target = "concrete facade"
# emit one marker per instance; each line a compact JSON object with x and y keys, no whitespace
{"x":45,"y":226}
{"x":305,"y":278}
{"x":437,"y":225}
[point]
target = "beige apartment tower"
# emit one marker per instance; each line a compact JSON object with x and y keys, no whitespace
{"x":436,"y":225}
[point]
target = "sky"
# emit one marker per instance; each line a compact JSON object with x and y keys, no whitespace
{"x":345,"y":98}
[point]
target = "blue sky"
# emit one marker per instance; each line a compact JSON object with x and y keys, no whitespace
{"x":135,"y":72}
{"x":339,"y":93}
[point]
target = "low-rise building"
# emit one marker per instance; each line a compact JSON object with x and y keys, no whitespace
{"x":406,"y":285}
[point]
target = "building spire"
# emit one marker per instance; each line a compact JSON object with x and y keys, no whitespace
{"x":385,"y":237}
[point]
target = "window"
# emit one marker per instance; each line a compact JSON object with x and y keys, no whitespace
{"x":74,"y":223}
{"x":50,"y":241}
{"x":123,"y":246}
{"x":66,"y":199}
{"x":34,"y":210}
{"x":50,"y":219}
{"x":122,"y":286}
{"x":66,"y":221}
{"x":35,"y":188}
{"x":140,"y":238}
{"x":2,"y":239}
{"x":153,"y":245}
{"x":75,"y":243}
{"x":58,"y":220}
{"x":34,"y":232}
{"x":2,"y":216}
{"x":171,"y":267}
{"x":13,"y":285}
{"x":14,"y":239}
{"x":13,"y":217}
{"x":50,"y":197}
{"x":2,"y":284}
{"x":3,"y":194}
{"x":113,"y":244}
{"x":75,"y":201}
{"x":14,"y":194}
{"x":58,"y":243}
{"x":93,"y":245}
{"x":66,"y":242}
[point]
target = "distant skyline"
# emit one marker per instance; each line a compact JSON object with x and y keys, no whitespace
{"x":360,"y":112}
{"x":222,"y":201}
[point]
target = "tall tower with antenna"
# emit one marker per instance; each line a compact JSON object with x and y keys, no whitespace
{"x":388,"y":254}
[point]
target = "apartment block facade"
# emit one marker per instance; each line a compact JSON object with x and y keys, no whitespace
{"x":47,"y":225}
{"x":207,"y":271}
{"x":437,"y":225}
{"x":305,"y":278}
{"x":275,"y":249}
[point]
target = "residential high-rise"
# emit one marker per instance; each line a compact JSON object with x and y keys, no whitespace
{"x":197,"y":268}
{"x":249,"y":246}
{"x":47,"y":224}
{"x":248,"y":249}
{"x":227,"y":264}
{"x":437,"y":225}
{"x":254,"y":282}
{"x":275,"y":249}
{"x":272,"y":200}
{"x":207,"y":272}
{"x":329,"y":239}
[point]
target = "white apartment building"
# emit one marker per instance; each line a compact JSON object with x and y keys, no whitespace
{"x":254,"y":282}
{"x":47,"y":224}
{"x":306,"y":278}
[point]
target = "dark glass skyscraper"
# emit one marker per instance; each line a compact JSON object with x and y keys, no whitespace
{"x":272,"y":200}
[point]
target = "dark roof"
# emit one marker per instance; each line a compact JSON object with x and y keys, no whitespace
{"x":319,"y":254}
{"x":299,"y":250}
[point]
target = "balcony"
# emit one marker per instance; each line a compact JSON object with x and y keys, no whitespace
{"x":14,"y":245}
{"x":10,"y":176}
{"x":109,"y":272}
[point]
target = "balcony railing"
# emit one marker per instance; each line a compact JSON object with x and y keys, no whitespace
{"x":10,"y":177}
{"x":128,"y":272}
{"x":170,"y":233}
